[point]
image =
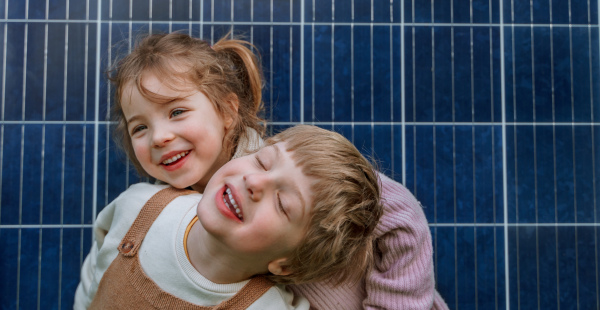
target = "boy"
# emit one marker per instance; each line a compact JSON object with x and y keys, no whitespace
{"x":301,"y":209}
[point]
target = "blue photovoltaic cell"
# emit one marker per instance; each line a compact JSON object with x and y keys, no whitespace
{"x":486,"y":110}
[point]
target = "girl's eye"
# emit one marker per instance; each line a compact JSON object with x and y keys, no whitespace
{"x":177,"y":112}
{"x":137,"y":129}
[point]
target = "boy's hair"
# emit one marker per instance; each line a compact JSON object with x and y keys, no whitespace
{"x":226,"y":71}
{"x":339,"y":243}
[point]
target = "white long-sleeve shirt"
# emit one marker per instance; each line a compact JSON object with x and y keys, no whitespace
{"x":162,"y":254}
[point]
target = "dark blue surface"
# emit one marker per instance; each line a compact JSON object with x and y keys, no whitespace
{"x":345,"y":60}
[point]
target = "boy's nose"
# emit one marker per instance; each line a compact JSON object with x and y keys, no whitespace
{"x":257,"y":184}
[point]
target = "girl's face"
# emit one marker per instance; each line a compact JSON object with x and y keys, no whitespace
{"x":179,"y":142}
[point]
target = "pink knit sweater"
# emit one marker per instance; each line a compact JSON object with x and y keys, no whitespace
{"x":402,"y":277}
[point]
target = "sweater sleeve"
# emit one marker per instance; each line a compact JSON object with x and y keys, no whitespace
{"x":402,"y":277}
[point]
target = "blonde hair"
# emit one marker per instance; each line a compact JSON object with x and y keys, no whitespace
{"x":339,"y":242}
{"x":226,"y":71}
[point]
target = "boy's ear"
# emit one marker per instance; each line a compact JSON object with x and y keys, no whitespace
{"x":235,"y":105}
{"x":277,"y":267}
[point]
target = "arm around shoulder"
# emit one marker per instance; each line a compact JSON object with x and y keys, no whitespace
{"x":403,"y":276}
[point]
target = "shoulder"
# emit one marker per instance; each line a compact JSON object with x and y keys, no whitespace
{"x":127,"y":205}
{"x":400,"y":208}
{"x":249,"y":142}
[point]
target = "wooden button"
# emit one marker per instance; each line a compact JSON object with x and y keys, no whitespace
{"x":125,"y":248}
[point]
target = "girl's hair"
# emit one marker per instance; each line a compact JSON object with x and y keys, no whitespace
{"x":339,"y":243}
{"x":224,"y":72}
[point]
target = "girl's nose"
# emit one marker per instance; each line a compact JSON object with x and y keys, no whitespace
{"x":162,"y":137}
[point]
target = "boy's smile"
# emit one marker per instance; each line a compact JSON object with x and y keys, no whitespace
{"x":228,"y":205}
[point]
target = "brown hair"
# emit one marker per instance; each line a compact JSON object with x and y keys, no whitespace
{"x":226,"y":71}
{"x":339,"y":242}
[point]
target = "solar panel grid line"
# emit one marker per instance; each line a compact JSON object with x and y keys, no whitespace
{"x":251,"y":21}
{"x":515,"y":225}
{"x":453,"y":112}
{"x":574,"y":157}
{"x":44,"y":226}
{"x":106,"y":116}
{"x":327,"y":123}
{"x":201,"y":8}
{"x":42,"y":157}
{"x":302,"y":64}
{"x":3,"y":107}
{"x":535,"y":178}
{"x":352,"y":68}
{"x":312,"y":67}
{"x":402,"y":92}
{"x":594,"y":193}
{"x":491,"y":65}
{"x":473,"y":154}
{"x":266,"y":23}
{"x":97,"y":114}
{"x":553,"y":98}
{"x":150,"y":6}
{"x":212,"y":18}
{"x":333,"y":63}
{"x":372,"y":86}
{"x":19,"y":242}
{"x":63,"y":160}
{"x":291,"y":67}
{"x":504,"y":154}
{"x":271,"y":67}
{"x":190,"y":10}
{"x":434,"y":150}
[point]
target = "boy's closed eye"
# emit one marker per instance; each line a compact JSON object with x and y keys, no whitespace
{"x":280,"y":204}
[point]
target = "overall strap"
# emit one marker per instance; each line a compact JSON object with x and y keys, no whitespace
{"x":125,"y":285}
{"x":133,"y":239}
{"x":252,"y":291}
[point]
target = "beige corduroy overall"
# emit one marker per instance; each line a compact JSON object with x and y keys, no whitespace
{"x":126,"y":286}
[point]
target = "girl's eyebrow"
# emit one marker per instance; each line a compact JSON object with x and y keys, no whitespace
{"x":133,"y":118}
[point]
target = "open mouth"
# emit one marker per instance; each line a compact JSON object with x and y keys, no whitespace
{"x":232,"y":204}
{"x":175,"y":158}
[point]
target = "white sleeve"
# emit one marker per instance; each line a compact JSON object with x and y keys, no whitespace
{"x":98,"y":260}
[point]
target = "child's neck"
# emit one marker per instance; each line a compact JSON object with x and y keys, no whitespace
{"x":214,"y":261}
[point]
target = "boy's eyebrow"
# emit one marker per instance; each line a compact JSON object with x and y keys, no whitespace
{"x":293,"y":185}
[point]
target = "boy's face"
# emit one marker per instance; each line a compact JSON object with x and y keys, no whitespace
{"x":258,"y":205}
{"x":179,"y":142}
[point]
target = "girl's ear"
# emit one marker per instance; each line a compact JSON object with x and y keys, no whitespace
{"x":277,"y":267}
{"x":229,"y":118}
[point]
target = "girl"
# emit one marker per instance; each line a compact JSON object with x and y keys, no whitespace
{"x":184,"y":108}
